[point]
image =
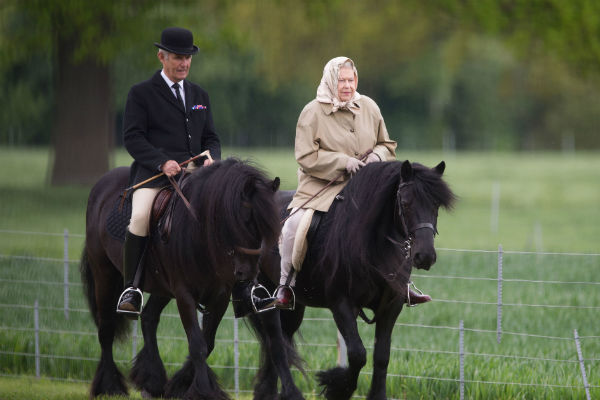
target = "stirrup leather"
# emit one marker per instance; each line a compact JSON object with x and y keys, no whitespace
{"x":416,"y":289}
{"x":131,"y":289}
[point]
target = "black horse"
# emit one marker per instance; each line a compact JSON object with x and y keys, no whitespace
{"x":360,"y":257}
{"x":219,"y":242}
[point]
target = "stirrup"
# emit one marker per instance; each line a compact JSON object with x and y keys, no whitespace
{"x":254,"y":299}
{"x":126,"y":312}
{"x":292,"y":300}
{"x":416,"y":289}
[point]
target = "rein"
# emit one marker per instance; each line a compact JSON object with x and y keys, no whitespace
{"x":181,"y":195}
{"x":362,"y":158}
{"x":205,"y":153}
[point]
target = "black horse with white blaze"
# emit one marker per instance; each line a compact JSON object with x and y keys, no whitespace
{"x":360,"y":257}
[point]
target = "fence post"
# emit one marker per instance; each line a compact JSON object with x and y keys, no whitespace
{"x":342,"y":358}
{"x":36,"y":325}
{"x":461,"y":350}
{"x":499,"y":313}
{"x":66,"y":278}
{"x":236,"y":357}
{"x":586,"y":385}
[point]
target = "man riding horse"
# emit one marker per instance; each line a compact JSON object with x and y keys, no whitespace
{"x":167,"y":120}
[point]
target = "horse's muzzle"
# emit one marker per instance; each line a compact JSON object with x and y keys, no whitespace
{"x":424,"y":260}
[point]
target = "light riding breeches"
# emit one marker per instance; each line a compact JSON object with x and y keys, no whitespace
{"x":141,"y":206}
{"x":286,"y":244}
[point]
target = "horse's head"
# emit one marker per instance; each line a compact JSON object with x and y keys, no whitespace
{"x":420,"y":194}
{"x":238,"y":220}
{"x":259,"y":217}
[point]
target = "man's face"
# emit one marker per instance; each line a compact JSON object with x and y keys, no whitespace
{"x":176,"y":66}
{"x":346,"y":84}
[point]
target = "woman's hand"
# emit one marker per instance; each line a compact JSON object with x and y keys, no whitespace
{"x":353,"y":165}
{"x":372,"y":157}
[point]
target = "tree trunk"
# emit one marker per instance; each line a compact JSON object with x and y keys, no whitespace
{"x":84,"y":119}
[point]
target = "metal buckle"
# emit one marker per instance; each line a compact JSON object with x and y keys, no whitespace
{"x":130,"y":289}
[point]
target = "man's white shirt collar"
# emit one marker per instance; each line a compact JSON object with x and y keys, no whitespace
{"x":171,"y":83}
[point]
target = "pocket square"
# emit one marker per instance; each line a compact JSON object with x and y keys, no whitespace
{"x":198,"y":107}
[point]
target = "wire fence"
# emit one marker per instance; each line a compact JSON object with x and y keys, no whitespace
{"x":578,"y":359}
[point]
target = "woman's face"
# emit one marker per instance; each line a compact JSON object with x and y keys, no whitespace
{"x":346,"y":84}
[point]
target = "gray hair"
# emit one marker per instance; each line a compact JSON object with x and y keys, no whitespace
{"x":164,"y":53}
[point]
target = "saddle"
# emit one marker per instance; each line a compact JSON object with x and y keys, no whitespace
{"x":161,"y":214}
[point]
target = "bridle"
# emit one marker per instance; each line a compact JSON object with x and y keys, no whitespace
{"x":399,"y":213}
{"x":405,"y":247}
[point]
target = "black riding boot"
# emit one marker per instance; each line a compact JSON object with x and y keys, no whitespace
{"x":131,"y":299}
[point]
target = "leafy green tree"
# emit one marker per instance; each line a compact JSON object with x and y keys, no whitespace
{"x":78,"y":39}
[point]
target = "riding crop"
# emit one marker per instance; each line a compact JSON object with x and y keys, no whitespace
{"x":205,"y":153}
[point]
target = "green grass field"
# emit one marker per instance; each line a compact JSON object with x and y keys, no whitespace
{"x":548,"y":203}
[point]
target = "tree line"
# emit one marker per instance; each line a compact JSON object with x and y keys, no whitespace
{"x":485,"y":75}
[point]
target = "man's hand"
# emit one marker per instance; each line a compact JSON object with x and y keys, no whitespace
{"x":207,"y":162}
{"x":170,"y":168}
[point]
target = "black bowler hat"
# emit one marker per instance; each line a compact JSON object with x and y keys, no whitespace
{"x":178,"y":41}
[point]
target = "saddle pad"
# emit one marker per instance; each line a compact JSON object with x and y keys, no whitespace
{"x":118,"y":219}
{"x":300,"y":242}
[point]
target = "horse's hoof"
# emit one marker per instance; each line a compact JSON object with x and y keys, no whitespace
{"x":146,"y":394}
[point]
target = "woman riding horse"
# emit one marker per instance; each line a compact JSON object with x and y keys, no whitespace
{"x":360,"y":256}
{"x":332,"y":133}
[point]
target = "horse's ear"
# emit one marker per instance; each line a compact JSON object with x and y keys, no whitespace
{"x":275,"y":184}
{"x":406,"y":172}
{"x":440,"y":168}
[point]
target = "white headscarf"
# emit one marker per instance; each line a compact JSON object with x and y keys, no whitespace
{"x":328,"y":88}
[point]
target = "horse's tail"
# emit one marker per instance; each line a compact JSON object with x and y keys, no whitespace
{"x":89,"y":290}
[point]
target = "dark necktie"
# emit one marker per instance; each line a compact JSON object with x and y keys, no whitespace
{"x":179,"y":99}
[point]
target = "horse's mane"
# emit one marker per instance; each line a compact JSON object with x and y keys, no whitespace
{"x":235,"y":206}
{"x":362,"y":224}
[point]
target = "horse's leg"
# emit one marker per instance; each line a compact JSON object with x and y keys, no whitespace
{"x":182,"y":379}
{"x":106,"y":286}
{"x":381,"y":353}
{"x":196,"y":380}
{"x":278,"y":354}
{"x":148,"y":372}
{"x":339,"y":383}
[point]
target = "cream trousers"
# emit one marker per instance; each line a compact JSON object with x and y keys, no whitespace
{"x":286,"y":245}
{"x":141,"y":206}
